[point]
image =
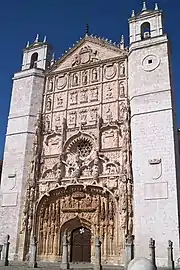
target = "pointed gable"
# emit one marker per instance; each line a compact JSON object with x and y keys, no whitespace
{"x":88,"y":50}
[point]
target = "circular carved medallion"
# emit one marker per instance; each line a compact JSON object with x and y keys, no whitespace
{"x":61,"y":81}
{"x":150,"y":62}
{"x":110,"y":71}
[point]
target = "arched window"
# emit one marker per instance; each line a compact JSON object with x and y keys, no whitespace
{"x":34,"y":58}
{"x":145,"y":30}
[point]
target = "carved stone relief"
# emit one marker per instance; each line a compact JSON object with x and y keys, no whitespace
{"x":50,"y":85}
{"x":110,"y":71}
{"x":83,"y":116}
{"x":72,"y":118}
{"x":121,"y":90}
{"x":75,"y":79}
{"x":73,"y":97}
{"x":122,"y":69}
{"x":95,"y":74}
{"x":108,"y":113}
{"x":84,"y":96}
{"x":94,"y":93}
{"x":85,"y":77}
{"x":123,"y":111}
{"x":109,"y":92}
{"x":57,"y":120}
{"x":47,"y":122}
{"x":93,"y":114}
{"x":110,"y":138}
{"x":86,"y":55}
{"x":52,"y":144}
{"x":59,"y":100}
{"x":48,"y":104}
{"x":61,"y":81}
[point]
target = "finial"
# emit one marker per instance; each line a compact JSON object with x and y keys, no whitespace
{"x":53,"y":59}
{"x":156,"y":7}
{"x":27,"y":44}
{"x":144,"y":6}
{"x":45,"y":38}
{"x":122,"y":42}
{"x":36,"y":39}
{"x":87,"y":29}
{"x":133,"y":13}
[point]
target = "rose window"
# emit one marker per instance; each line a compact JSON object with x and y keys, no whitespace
{"x":83,"y":147}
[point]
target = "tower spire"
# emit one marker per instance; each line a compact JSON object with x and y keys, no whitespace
{"x":156,"y":7}
{"x":36,"y":39}
{"x":87,"y":29}
{"x":144,"y":6}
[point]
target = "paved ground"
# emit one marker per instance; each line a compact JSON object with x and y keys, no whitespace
{"x":56,"y":266}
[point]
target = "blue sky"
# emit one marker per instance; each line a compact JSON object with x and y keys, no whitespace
{"x":63,"y":22}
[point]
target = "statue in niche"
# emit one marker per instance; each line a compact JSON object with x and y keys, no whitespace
{"x":123,"y":114}
{"x":83,"y":117}
{"x":75,"y":79}
{"x":73,"y":98}
{"x":96,"y":167}
{"x":47,"y":123}
{"x":84,"y":96}
{"x":77,"y":167}
{"x":94,"y":93}
{"x":108,"y":114}
{"x":48,"y":105}
{"x":72,"y":118}
{"x":59,"y":101}
{"x":94,"y":75}
{"x":93,"y":114}
{"x":57,"y":121}
{"x":122,"y":70}
{"x":109,"y":93}
{"x":84,"y":77}
{"x":121,"y":90}
{"x":50,"y":85}
{"x":58,"y":173}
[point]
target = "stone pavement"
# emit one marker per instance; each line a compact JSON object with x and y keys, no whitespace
{"x":56,"y":266}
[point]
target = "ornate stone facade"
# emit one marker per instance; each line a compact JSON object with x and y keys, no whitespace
{"x":90,"y":149}
{"x":81,"y":166}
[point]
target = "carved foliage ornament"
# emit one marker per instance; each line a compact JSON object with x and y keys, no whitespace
{"x":85,"y":56}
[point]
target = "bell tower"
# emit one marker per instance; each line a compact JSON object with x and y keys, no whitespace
{"x":26,"y":100}
{"x":153,"y":135}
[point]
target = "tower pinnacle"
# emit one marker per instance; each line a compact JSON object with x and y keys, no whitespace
{"x":144,"y":6}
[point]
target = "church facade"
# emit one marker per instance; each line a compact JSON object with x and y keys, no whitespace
{"x":91,"y":148}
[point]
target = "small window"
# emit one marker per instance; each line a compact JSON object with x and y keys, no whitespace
{"x":145,"y":30}
{"x":150,"y":61}
{"x":34,"y":58}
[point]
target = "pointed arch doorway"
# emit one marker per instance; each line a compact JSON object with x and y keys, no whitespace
{"x":81,"y":245}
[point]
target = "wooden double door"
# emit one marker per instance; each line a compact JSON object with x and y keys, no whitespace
{"x":81,"y":245}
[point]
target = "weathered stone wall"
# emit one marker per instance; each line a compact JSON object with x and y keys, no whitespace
{"x":153,"y":147}
{"x":25,"y":103}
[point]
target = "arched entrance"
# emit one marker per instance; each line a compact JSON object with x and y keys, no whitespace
{"x":81,"y":245}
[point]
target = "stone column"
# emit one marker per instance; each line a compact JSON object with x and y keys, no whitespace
{"x":33,"y":253}
{"x":97,"y":265}
{"x":6,"y":250}
{"x":65,"y":263}
{"x":170,"y":255}
{"x":152,"y":253}
{"x":129,"y":249}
